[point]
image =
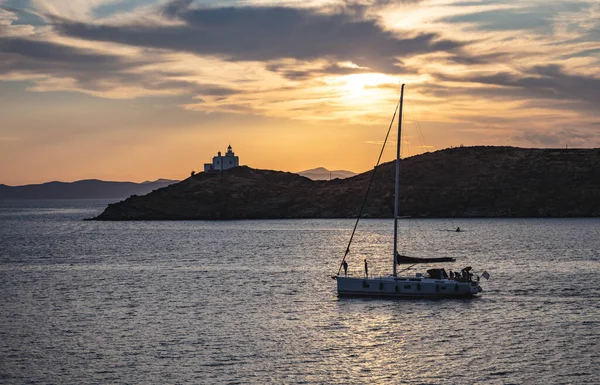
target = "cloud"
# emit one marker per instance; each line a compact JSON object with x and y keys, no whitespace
{"x":82,"y":9}
{"x":565,"y":136}
{"x":502,"y":20}
{"x":582,"y":53}
{"x":297,"y":71}
{"x":545,"y":81}
{"x":58,"y":67}
{"x":320,"y":63}
{"x":518,"y":16}
{"x":55,"y":64}
{"x":115,"y":8}
{"x":267,"y":34}
{"x":45,"y":53}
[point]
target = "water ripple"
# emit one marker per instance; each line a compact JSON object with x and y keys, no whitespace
{"x":243,"y":302}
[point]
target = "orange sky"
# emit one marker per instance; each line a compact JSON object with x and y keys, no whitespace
{"x":140,"y":90}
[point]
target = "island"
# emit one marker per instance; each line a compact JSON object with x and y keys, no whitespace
{"x":482,"y":181}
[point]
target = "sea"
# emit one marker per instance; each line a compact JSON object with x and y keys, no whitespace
{"x":254,"y":302}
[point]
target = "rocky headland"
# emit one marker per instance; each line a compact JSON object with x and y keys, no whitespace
{"x":455,"y":182}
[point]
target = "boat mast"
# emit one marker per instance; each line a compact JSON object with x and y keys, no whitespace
{"x":397,"y":188}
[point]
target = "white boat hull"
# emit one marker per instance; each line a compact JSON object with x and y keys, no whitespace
{"x":406,"y":287}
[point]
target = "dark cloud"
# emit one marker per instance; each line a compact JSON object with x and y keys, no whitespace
{"x":91,"y":70}
{"x":544,"y":82}
{"x":470,"y":59}
{"x":295,"y":75}
{"x":19,"y":54}
{"x":585,"y":35}
{"x":290,"y":71}
{"x":582,"y":53}
{"x":268,"y":34}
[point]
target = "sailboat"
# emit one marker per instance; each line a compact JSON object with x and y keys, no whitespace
{"x":436,"y":283}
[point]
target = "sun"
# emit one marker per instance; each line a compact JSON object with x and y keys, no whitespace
{"x":360,"y":85}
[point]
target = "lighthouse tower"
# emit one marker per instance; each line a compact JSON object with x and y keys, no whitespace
{"x":220,"y":162}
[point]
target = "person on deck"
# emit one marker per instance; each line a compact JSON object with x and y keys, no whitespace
{"x":458,"y":229}
{"x":466,"y":273}
{"x":366,"y":269}
{"x":345,"y":266}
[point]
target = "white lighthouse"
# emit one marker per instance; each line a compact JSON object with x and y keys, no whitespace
{"x":220,"y":163}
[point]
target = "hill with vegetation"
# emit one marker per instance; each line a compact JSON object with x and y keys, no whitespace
{"x":455,"y":182}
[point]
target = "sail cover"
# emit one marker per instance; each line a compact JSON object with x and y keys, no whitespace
{"x":404,"y":260}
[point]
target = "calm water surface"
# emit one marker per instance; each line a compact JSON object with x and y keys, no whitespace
{"x":241,"y":302}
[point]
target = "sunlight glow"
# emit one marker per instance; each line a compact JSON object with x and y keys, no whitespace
{"x":359,"y":85}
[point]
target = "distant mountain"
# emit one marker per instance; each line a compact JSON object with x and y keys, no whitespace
{"x":83,"y":189}
{"x":321,"y":173}
{"x":161,"y":180}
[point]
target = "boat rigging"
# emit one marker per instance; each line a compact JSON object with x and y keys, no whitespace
{"x":435,"y":283}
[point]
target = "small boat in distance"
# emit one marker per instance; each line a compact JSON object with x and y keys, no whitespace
{"x":436,"y":283}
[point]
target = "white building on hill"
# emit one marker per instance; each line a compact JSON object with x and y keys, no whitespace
{"x":221,"y":163}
